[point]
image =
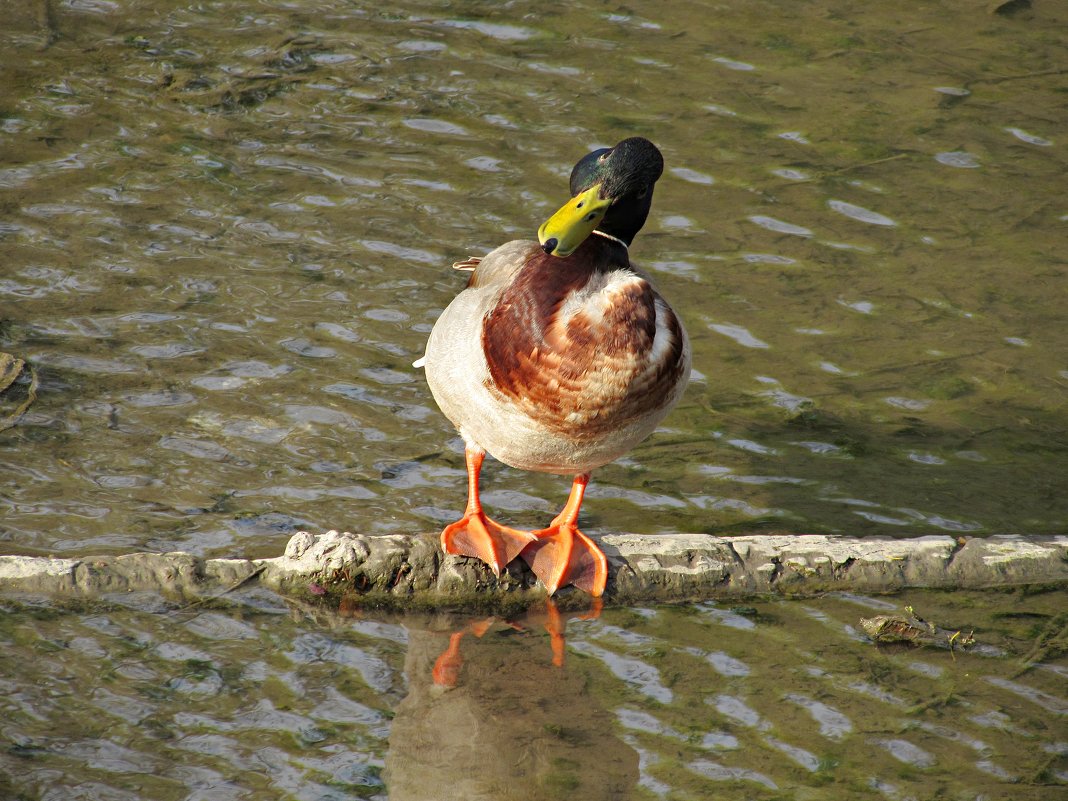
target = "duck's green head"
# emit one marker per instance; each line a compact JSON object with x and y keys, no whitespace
{"x":612,"y":191}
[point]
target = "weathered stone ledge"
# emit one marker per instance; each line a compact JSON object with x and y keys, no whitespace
{"x":410,"y":570}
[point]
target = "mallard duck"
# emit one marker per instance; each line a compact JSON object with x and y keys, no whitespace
{"x":559,"y":357}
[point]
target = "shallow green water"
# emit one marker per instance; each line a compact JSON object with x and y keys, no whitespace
{"x":226,"y":232}
{"x":138,"y":699}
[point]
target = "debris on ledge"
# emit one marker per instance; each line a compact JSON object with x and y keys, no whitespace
{"x":410,"y":571}
{"x":912,"y":629}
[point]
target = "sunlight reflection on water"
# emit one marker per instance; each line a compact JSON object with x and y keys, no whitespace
{"x":225,"y":245}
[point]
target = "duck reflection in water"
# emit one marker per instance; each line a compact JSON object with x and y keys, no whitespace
{"x":475,"y":726}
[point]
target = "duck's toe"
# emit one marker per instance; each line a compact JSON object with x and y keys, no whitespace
{"x":562,"y":555}
{"x":477,"y":535}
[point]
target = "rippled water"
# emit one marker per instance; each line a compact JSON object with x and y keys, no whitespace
{"x":226,"y":232}
{"x":137,"y":699}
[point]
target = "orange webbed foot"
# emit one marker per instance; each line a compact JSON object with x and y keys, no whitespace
{"x":562,"y":555}
{"x":476,"y":535}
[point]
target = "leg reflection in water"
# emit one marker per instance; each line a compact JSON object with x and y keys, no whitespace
{"x":447,"y":667}
{"x":498,"y":715}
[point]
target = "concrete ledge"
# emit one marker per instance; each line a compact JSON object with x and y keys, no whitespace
{"x":411,"y":571}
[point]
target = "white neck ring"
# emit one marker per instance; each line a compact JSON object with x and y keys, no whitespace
{"x":614,"y":239}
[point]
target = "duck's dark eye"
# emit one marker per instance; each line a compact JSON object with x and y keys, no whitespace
{"x":604,"y":157}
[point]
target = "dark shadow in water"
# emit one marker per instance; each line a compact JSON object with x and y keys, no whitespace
{"x":494,"y":712}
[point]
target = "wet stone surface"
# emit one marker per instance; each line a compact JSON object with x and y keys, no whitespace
{"x":412,"y":572}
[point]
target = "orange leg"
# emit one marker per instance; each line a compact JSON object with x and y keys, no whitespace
{"x":447,"y":666}
{"x":563,"y":555}
{"x":555,"y":626}
{"x":475,"y":534}
{"x":446,"y":672}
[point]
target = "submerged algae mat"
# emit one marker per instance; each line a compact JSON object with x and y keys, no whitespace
{"x":136,"y":698}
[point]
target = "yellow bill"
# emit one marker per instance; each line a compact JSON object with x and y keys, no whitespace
{"x":562,"y":233}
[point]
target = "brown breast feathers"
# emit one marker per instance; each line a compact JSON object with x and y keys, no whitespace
{"x":582,"y":345}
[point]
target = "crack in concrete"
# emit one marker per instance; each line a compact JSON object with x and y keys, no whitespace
{"x":734,"y":553}
{"x":777,"y":572}
{"x":959,"y":544}
{"x":841,"y":570}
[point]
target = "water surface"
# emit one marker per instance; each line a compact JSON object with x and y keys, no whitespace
{"x":139,"y":698}
{"x":227,"y":231}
